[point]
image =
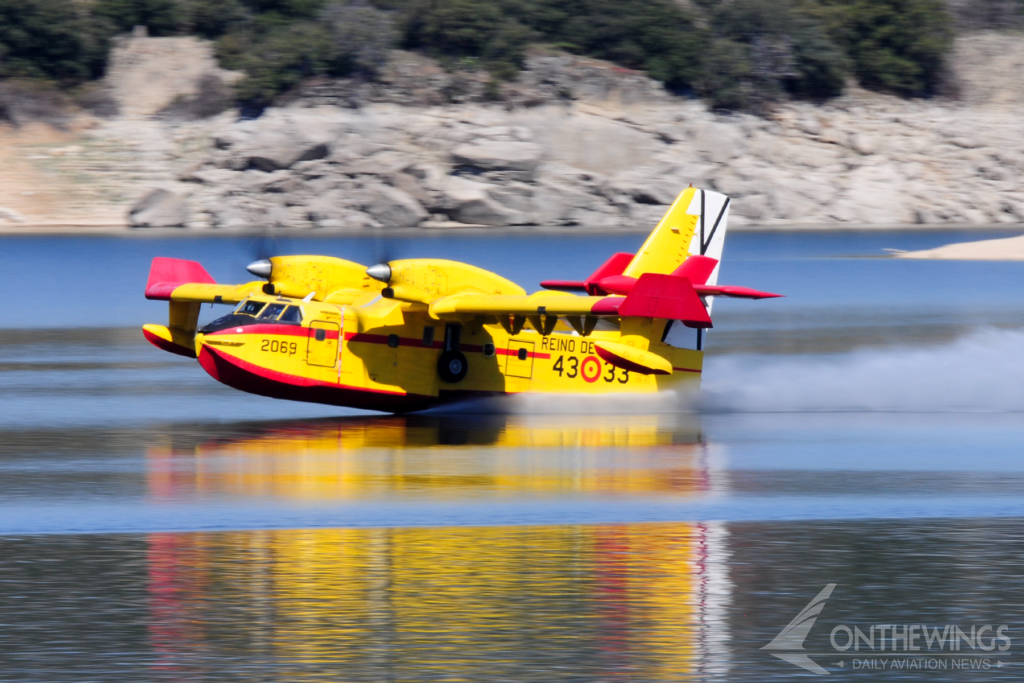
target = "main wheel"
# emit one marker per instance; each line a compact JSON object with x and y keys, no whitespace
{"x":452,"y":366}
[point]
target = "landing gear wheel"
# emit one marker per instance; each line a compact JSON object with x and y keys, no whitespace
{"x":452,"y":366}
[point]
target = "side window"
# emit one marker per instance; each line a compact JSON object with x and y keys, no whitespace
{"x":271,"y":312}
{"x":292,"y":314}
{"x":249,"y":308}
{"x":428,"y":336}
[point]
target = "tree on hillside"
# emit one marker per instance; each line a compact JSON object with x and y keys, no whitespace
{"x":764,"y":50}
{"x":360,"y":37}
{"x":214,"y":18}
{"x":160,"y":17}
{"x":466,"y":29}
{"x":277,"y":53}
{"x":51,"y":39}
{"x":895,"y":45}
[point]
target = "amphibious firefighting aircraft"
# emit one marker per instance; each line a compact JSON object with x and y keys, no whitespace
{"x":412,"y":334}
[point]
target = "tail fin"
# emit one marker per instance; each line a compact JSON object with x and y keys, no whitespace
{"x":709,"y":237}
{"x":166,"y":275}
{"x":694,"y":224}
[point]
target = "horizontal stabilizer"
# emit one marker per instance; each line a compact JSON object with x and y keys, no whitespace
{"x":665,"y":296}
{"x":613,"y":266}
{"x":564,"y":285}
{"x":697,"y":269}
{"x":736,"y":292}
{"x":167,"y":274}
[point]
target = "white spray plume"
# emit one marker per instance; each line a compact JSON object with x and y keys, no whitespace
{"x":980,"y":372}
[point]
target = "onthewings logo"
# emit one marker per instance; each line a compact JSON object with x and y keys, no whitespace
{"x":789,"y":645}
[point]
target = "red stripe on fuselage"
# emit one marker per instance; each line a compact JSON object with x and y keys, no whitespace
{"x":529,"y":354}
{"x":254,"y":379}
{"x":363,"y":337}
{"x":686,"y":370}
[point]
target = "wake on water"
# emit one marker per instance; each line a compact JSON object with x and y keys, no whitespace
{"x":980,"y":372}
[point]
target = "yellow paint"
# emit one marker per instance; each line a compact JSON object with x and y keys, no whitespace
{"x":646,"y":359}
{"x":667,"y":247}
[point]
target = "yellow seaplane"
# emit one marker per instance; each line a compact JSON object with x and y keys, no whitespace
{"x":413,"y":334}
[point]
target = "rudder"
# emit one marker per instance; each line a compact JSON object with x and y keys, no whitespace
{"x":695,"y":224}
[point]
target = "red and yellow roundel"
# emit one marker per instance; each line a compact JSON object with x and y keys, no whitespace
{"x":591,"y":368}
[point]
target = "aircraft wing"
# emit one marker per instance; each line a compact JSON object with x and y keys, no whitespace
{"x":187,"y":281}
{"x":201,"y":292}
{"x":653,"y":296}
{"x":517,"y":304}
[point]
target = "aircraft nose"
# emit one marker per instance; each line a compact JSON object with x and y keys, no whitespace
{"x":261,"y":268}
{"x":381,"y":271}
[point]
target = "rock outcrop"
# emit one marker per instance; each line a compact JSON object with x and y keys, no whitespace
{"x":574,"y":142}
{"x":862,"y":160}
{"x":159,"y":209}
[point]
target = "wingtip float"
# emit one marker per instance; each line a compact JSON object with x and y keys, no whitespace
{"x":412,"y":334}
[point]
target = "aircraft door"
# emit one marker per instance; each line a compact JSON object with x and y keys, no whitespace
{"x":519,"y":361}
{"x":322,"y":348}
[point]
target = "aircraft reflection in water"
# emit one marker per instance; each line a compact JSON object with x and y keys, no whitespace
{"x":485,"y":603}
{"x":468,"y":603}
{"x":442,"y":457}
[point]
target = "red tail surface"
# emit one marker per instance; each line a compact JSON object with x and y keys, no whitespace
{"x":166,"y":274}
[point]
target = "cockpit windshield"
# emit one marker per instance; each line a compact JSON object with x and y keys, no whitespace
{"x":250,"y":308}
{"x":292,"y":314}
{"x":271,"y":312}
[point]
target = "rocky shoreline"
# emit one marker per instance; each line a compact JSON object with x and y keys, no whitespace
{"x":574,"y":144}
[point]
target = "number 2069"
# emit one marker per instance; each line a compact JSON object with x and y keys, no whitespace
{"x":275,"y":346}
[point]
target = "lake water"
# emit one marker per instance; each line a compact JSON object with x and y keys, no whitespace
{"x":866,"y":431}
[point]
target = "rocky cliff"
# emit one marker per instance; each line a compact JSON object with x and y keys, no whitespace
{"x":581,"y":143}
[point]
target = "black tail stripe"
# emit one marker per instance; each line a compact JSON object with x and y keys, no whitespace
{"x":704,"y":245}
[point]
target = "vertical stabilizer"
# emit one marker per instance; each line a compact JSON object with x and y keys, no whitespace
{"x":708,"y":239}
{"x":668,"y":246}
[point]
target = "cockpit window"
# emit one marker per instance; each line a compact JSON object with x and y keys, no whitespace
{"x":271,"y":312}
{"x":292,"y":314}
{"x":249,"y":308}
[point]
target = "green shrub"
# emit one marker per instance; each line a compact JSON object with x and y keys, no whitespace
{"x":305,"y":9}
{"x":764,"y":50}
{"x":725,"y":80}
{"x":51,"y":39}
{"x":895,"y":45}
{"x":274,"y":58}
{"x":160,"y":17}
{"x":740,"y":54}
{"x":654,"y":35}
{"x":457,"y":29}
{"x":360,"y":37}
{"x":214,"y":18}
{"x":819,"y":65}
{"x":276,"y":53}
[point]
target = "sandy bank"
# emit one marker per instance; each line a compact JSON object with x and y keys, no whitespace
{"x":1005,"y":249}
